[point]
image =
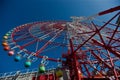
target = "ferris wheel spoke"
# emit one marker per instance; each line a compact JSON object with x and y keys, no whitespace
{"x":33,"y":41}
{"x":27,"y":44}
{"x":51,"y":40}
{"x":37,"y":46}
{"x":21,"y":33}
{"x":35,"y":32}
{"x":22,"y":37}
{"x":45,"y":36}
{"x":49,"y":49}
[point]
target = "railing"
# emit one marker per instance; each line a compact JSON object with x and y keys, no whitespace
{"x":18,"y":74}
{"x":27,"y":74}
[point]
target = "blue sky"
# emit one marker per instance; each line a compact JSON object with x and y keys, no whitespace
{"x":17,"y":12}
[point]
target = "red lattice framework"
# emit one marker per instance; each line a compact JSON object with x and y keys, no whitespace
{"x":92,"y":49}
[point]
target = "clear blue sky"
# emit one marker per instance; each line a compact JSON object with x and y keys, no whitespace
{"x":16,"y":12}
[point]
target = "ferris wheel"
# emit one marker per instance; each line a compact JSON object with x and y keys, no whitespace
{"x":88,"y":47}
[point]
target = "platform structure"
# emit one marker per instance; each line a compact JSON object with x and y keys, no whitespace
{"x":18,"y":75}
{"x":33,"y":75}
{"x":87,"y":48}
{"x":48,"y":75}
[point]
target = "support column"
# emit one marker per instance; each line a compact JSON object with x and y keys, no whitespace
{"x":75,"y":62}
